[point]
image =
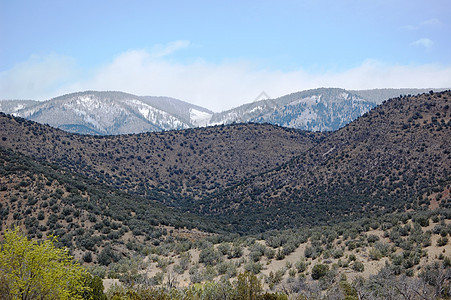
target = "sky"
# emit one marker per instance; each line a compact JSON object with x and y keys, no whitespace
{"x":220,"y":54}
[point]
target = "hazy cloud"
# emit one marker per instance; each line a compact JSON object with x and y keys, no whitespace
{"x":431,"y":22}
{"x":215,"y":86}
{"x":424,"y":42}
{"x":164,"y":50}
{"x":37,"y":78}
{"x":428,"y":23}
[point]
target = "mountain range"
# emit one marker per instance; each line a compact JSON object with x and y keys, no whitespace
{"x":209,"y":203}
{"x":256,"y":177}
{"x":112,"y":113}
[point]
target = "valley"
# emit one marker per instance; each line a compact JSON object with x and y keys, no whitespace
{"x":308,"y":214}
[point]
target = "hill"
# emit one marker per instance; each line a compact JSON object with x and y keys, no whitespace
{"x":394,"y":158}
{"x":366,"y":203}
{"x":87,"y":217}
{"x":380,"y":95}
{"x":13,"y":106}
{"x":182,"y":164}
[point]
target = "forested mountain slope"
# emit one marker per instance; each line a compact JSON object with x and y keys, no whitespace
{"x":391,"y":159}
{"x":258,"y":177}
{"x":186,"y":163}
{"x":89,"y":218}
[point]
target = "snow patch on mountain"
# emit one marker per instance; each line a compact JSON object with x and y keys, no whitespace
{"x":199,"y":118}
{"x":309,"y":100}
{"x":118,"y":113}
{"x":303,"y":119}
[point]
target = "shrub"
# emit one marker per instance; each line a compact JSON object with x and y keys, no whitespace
{"x":87,"y":257}
{"x":337,"y":253}
{"x":209,"y":256}
{"x":270,"y":253}
{"x":248,"y":286}
{"x":253,"y":267}
{"x":383,"y":248}
{"x":358,"y":266}
{"x":319,"y":271}
{"x":96,"y":285}
{"x":372,"y":238}
{"x":375,"y":254}
{"x":237,"y":251}
{"x":442,"y":241}
{"x":224,"y":248}
{"x":301,"y":266}
{"x":107,"y":256}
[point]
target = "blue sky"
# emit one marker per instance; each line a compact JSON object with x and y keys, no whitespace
{"x":219,"y":54}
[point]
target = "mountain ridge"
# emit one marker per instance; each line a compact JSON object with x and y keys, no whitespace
{"x":113,"y":112}
{"x":260,"y":176}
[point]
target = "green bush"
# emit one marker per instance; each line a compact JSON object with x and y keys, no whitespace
{"x":319,"y":271}
{"x":375,"y":254}
{"x":442,"y":241}
{"x":253,"y":267}
{"x":209,"y":256}
{"x":301,"y":266}
{"x":358,"y":266}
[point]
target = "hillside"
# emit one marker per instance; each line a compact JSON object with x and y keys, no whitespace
{"x":394,"y":158}
{"x":367,"y":205}
{"x":13,"y":106}
{"x":182,"y":164}
{"x":86,"y":216}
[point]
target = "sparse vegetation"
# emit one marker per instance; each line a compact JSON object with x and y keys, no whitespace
{"x":123,"y":213}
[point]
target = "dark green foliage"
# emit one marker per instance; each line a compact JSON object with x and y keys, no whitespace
{"x":87,"y":257}
{"x":209,"y":256}
{"x":319,"y":271}
{"x":442,"y":241}
{"x":108,"y":256}
{"x":253,"y":267}
{"x":96,"y":285}
{"x":358,"y":266}
{"x":372,"y":238}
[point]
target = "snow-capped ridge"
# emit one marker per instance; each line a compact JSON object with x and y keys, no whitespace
{"x":113,"y":112}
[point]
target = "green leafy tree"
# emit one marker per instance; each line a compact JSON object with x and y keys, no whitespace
{"x":31,"y":270}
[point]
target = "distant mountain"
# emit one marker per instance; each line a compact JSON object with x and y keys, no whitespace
{"x":13,"y":106}
{"x":324,"y":109}
{"x":112,"y":113}
{"x":109,"y":113}
{"x":380,"y":95}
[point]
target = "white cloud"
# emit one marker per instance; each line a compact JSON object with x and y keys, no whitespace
{"x":37,"y":77}
{"x":215,"y":86}
{"x":424,"y":42}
